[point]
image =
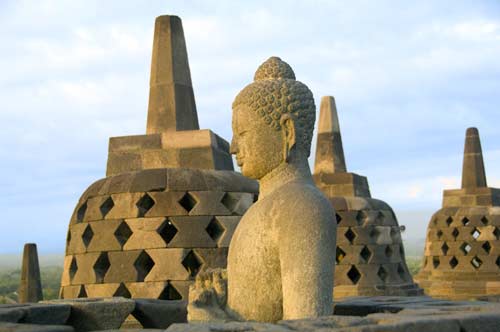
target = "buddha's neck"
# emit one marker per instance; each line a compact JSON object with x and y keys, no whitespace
{"x":284,"y":173}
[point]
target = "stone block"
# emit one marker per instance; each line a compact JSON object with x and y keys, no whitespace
{"x":212,"y":258}
{"x":229,"y":224}
{"x":45,"y":314}
{"x":120,"y":183}
{"x":160,"y":314}
{"x":97,"y":313}
{"x":85,"y":272}
{"x":93,"y":211}
{"x":208,"y":203}
{"x":168,"y":264}
{"x":182,"y":287}
{"x":149,"y":180}
{"x":92,"y":190}
{"x":71,"y":292}
{"x":145,"y":233}
{"x":151,"y":290}
{"x":75,"y":244}
{"x":124,"y":206}
{"x":166,"y":204}
{"x":184,"y":179}
{"x":123,"y":162}
{"x":191,"y":232}
{"x":13,"y":327}
{"x":122,"y":266}
{"x":101,"y":290}
{"x":104,"y":238}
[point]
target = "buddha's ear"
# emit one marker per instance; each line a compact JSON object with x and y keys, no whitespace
{"x":287,"y":123}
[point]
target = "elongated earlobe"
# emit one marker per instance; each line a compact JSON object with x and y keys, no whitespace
{"x":288,"y":129}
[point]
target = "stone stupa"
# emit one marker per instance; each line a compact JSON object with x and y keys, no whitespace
{"x":170,"y":202}
{"x":462,"y":249}
{"x":370,"y":255}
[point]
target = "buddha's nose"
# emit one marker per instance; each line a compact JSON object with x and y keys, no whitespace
{"x":233,"y":149}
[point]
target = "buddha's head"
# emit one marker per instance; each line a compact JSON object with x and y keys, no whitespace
{"x":273,"y":120}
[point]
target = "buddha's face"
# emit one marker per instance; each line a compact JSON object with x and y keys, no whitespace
{"x":257,"y":146}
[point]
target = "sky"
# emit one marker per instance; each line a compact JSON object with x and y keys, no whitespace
{"x":408,"y":77}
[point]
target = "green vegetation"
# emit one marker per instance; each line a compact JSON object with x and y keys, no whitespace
{"x":414,"y":264}
{"x":9,"y":282}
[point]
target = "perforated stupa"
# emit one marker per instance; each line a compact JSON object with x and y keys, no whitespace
{"x":170,"y":202}
{"x":370,"y":255}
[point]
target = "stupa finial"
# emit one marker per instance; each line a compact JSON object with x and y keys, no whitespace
{"x":329,"y":150}
{"x":171,"y":98}
{"x":473,"y":174}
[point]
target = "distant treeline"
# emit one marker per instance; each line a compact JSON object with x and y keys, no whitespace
{"x":9,"y":282}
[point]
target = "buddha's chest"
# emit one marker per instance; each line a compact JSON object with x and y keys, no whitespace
{"x":255,"y":239}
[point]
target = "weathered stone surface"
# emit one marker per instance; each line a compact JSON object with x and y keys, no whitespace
{"x":30,"y":287}
{"x":280,"y":255}
{"x":13,"y":327}
{"x":37,"y":313}
{"x":97,"y":313}
{"x":159,"y":313}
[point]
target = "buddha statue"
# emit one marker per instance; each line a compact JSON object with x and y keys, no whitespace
{"x":280,"y":262}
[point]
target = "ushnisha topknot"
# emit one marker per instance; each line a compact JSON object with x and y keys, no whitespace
{"x":274,"y":68}
{"x":276,"y":92}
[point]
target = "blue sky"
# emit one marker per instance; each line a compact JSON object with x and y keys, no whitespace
{"x":409,"y":77}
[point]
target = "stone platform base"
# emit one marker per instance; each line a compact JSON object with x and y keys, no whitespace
{"x":357,"y":314}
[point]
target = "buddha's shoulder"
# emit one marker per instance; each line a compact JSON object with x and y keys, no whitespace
{"x":300,"y":195}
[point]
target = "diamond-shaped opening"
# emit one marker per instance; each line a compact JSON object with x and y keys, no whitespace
{"x":401,"y":272}
{"x":453,"y":262}
{"x":106,"y":206}
{"x":340,"y":254}
{"x":434,"y":221}
{"x":123,"y":233}
{"x":361,"y":217}
{"x":435,"y":261}
{"x":215,"y":229}
{"x":374,"y":233}
{"x":350,"y":235}
{"x":101,"y":266}
{"x":388,"y":251}
{"x":338,"y":218}
{"x":382,"y":273}
{"x":455,"y":233}
{"x":144,"y":204}
{"x":122,"y":291}
{"x":449,"y":220}
{"x":487,"y":247}
{"x":475,"y":233}
{"x":465,"y":221}
{"x":73,"y":267}
{"x":445,"y":248}
{"x":80,"y":214}
{"x":143,"y":265}
{"x":466,"y":248}
{"x":485,"y":220}
{"x":255,"y":197}
{"x":68,"y":238}
{"x":82,"y":293}
{"x":496,"y":232}
{"x":187,"y":202}
{"x":170,"y":293}
{"x":192,"y":263}
{"x":353,"y":275}
{"x":439,"y":233}
{"x":167,"y":231}
{"x":365,"y":253}
{"x":476,"y":262}
{"x":87,"y":235}
{"x":379,"y":219}
{"x":230,"y":201}
{"x":497,"y":262}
